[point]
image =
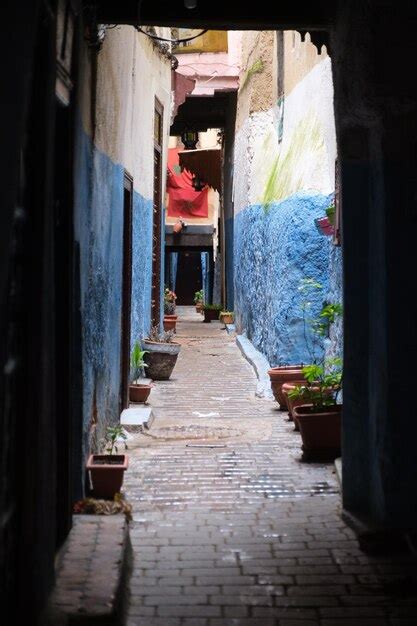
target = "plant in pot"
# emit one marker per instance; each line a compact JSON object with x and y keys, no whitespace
{"x":170,"y":318}
{"x":161,"y":353}
{"x":211,"y":312}
{"x":106,"y":470}
{"x":227,"y":317}
{"x":199,"y":300}
{"x":325,"y":224}
{"x":319,"y":418}
{"x":138,"y":392}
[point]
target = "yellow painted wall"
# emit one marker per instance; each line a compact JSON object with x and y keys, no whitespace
{"x":212,"y":41}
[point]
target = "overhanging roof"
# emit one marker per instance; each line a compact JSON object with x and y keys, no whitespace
{"x":204,"y":163}
{"x":217,"y":14}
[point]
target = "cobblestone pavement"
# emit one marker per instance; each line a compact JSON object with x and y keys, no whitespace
{"x":243,"y":534}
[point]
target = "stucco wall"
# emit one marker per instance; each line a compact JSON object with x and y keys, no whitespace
{"x":118,"y":136}
{"x":284,"y":178}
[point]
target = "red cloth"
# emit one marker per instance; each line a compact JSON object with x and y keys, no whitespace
{"x":184,"y":200}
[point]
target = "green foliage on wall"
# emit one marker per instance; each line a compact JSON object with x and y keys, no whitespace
{"x":285,"y":175}
{"x":256,"y":68}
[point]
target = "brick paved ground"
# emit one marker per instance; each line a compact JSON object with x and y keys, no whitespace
{"x":244,"y":534}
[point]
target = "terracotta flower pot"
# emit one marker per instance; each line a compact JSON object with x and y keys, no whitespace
{"x":106,"y":474}
{"x":170,"y":322}
{"x":139,"y":393}
{"x":198,"y":307}
{"x":291,"y":403}
{"x":320,"y":432}
{"x":324,"y":226}
{"x":227,"y":318}
{"x":284,"y":374}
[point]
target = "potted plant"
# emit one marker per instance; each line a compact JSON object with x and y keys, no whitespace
{"x":106,"y":470}
{"x":138,"y":392}
{"x":314,"y":330}
{"x":199,"y":300}
{"x":211,"y":312}
{"x":227,"y":317}
{"x":161,"y":353}
{"x":331,"y":213}
{"x":280,"y":375}
{"x":170,"y":318}
{"x":319,"y":418}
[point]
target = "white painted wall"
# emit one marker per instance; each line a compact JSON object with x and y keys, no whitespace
{"x":304,"y":160}
{"x":131,"y":72}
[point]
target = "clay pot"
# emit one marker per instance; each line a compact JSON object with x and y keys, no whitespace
{"x":324,"y":226}
{"x":291,"y":404}
{"x":227,"y":318}
{"x":284,"y":374}
{"x":139,"y":393}
{"x":198,"y":307}
{"x":160,"y":358}
{"x":106,"y":474}
{"x":170,"y":322}
{"x":320,"y":432}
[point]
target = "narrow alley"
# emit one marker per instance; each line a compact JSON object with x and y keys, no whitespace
{"x":229,"y":527}
{"x":208,"y":224}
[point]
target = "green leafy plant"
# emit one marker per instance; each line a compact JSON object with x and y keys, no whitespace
{"x":212,"y":307}
{"x":308,"y":287}
{"x":327,"y":317}
{"x":136,"y":361}
{"x":199,"y":296}
{"x":315,"y":329}
{"x":112,"y":436}
{"x":331,"y":213}
{"x":324,"y":382}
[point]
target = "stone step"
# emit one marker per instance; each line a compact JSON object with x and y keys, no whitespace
{"x":137,"y":416}
{"x":92,"y":573}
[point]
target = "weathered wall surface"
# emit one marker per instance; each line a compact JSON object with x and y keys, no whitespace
{"x":115,"y":137}
{"x":285,"y":155}
{"x":274,"y":251}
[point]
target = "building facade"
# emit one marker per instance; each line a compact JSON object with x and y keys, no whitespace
{"x":285,"y":156}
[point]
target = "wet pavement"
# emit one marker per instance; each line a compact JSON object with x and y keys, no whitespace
{"x":230,"y":527}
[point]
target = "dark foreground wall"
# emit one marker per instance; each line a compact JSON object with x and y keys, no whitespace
{"x":376,"y":117}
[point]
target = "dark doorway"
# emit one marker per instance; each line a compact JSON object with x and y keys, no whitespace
{"x":157,"y":214}
{"x":126,"y":290}
{"x":189,"y":277}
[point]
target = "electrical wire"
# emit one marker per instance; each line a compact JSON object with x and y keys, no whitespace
{"x":174,"y":41}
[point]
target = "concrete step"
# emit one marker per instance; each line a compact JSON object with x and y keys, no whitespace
{"x":93,"y":568}
{"x":137,"y":416}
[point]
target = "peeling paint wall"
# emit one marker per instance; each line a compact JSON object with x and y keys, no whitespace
{"x":114,"y":134}
{"x":285,"y":155}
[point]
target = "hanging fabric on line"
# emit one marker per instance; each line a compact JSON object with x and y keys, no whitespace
{"x":184,"y":200}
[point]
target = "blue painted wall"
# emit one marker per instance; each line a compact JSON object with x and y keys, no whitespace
{"x":274,"y":249}
{"x":98,"y":229}
{"x":229,"y":265}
